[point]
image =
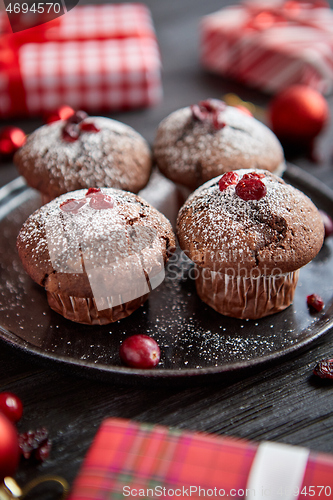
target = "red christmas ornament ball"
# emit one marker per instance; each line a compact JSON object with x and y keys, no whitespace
{"x":9,"y":448}
{"x":62,"y":113}
{"x":298,"y":114}
{"x":11,"y":139}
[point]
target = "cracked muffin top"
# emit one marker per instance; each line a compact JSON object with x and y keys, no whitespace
{"x":199,"y":142}
{"x":99,"y":229}
{"x":249,"y":220}
{"x":84,"y":152}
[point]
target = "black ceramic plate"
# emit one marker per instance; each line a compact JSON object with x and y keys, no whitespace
{"x":194,"y":339}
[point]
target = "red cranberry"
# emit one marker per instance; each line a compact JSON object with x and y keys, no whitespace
{"x":324,"y":369}
{"x":70,"y":132}
{"x":43,"y":452}
{"x":77,"y":117}
{"x":72,"y":205}
{"x":101,"y":201}
{"x":228,"y":179}
{"x":253,"y":175}
{"x":11,"y":406}
{"x":213,"y":105}
{"x":88,"y":127}
{"x":328,"y":223}
{"x":251,"y":189}
{"x":315,"y":302}
{"x":92,"y":191}
{"x":140,"y":351}
{"x":217,"y":122}
{"x":35,"y":444}
{"x":209,"y":111}
{"x":199,"y":114}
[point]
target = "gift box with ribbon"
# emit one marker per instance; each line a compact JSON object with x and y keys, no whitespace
{"x":129,"y":459}
{"x":95,"y":57}
{"x":271,"y":44}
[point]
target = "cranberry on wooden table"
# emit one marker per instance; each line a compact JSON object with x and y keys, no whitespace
{"x":35,"y":444}
{"x":324,"y":369}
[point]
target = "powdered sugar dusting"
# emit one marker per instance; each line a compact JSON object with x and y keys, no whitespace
{"x":191,"y":334}
{"x":112,"y":157}
{"x":68,"y":242}
{"x":219,"y":229}
{"x":184,"y":146}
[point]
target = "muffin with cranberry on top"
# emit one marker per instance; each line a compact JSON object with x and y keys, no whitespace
{"x":199,"y":142}
{"x":98,"y":253}
{"x":84,"y":152}
{"x":249,"y":233}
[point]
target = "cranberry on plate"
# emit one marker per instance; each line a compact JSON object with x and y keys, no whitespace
{"x":140,"y":351}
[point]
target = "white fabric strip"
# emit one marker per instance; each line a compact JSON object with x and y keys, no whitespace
{"x":277,"y":471}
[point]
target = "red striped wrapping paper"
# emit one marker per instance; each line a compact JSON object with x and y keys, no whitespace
{"x":128,"y":459}
{"x":98,"y":58}
{"x":271,"y":45}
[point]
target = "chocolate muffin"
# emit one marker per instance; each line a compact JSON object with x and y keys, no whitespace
{"x":249,"y":233}
{"x":84,"y":152}
{"x":98,"y":253}
{"x":199,"y":142}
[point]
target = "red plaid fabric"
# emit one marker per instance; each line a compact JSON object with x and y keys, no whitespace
{"x":271,"y":46}
{"x":100,"y":58}
{"x":128,"y":459}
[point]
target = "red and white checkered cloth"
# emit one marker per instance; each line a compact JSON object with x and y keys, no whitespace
{"x":99,"y":58}
{"x":271,"y":45}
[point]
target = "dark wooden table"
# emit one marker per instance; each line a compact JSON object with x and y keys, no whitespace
{"x":282,"y":402}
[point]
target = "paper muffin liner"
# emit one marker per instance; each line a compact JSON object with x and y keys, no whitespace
{"x":84,"y":309}
{"x":246,"y":297}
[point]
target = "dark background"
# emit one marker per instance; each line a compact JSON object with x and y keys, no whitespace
{"x":282,"y":402}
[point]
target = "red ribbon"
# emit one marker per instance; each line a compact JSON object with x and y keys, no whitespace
{"x":288,"y":11}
